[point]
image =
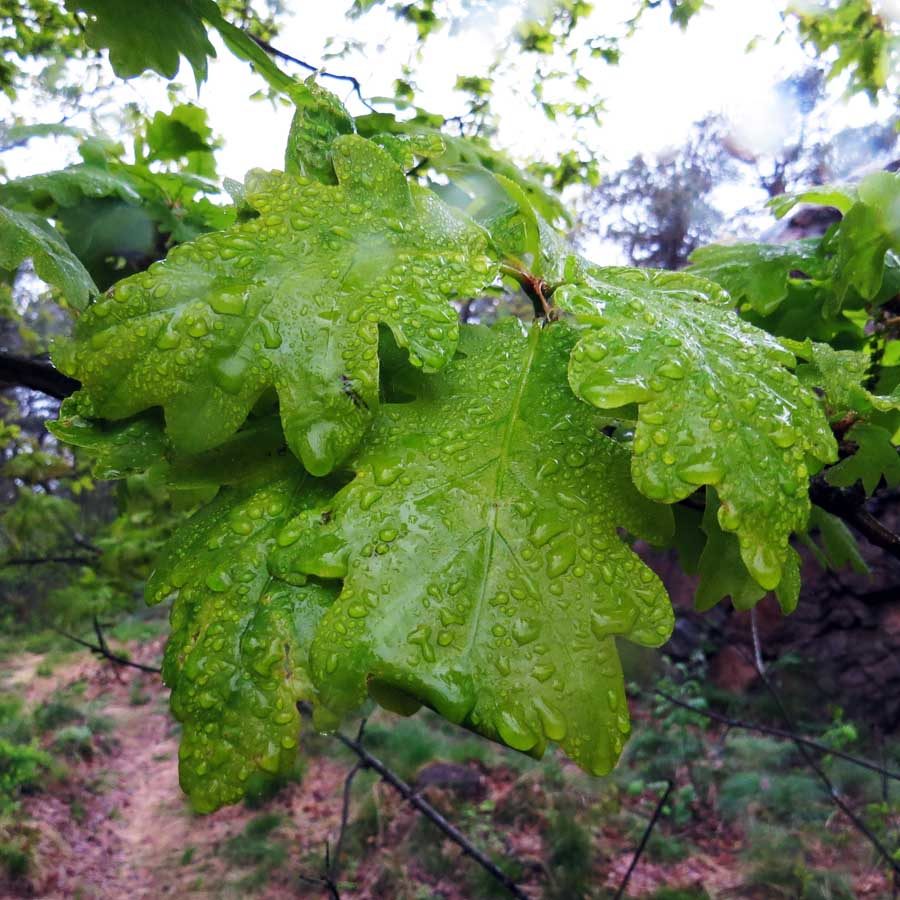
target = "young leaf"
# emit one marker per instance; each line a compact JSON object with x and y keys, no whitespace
{"x":237,"y":655}
{"x":757,"y":274}
{"x":839,"y":546}
{"x":875,"y":458}
{"x":320,"y":118}
{"x":716,"y":404}
{"x":23,"y":236}
{"x":841,"y":374}
{"x":291,"y":299}
{"x":482,"y":571}
{"x":152,"y":34}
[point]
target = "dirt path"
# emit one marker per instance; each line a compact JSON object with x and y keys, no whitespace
{"x":119,"y":827}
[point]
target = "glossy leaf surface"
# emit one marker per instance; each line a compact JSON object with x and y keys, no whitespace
{"x":23,"y":236}
{"x":291,"y":299}
{"x":482,"y":570}
{"x":236,"y":660}
{"x":716,"y":403}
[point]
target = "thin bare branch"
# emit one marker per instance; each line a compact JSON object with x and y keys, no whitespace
{"x":830,"y":789}
{"x":427,"y":810}
{"x":104,"y":652}
{"x":849,"y":504}
{"x":280,"y":54}
{"x":46,"y":560}
{"x":729,"y":722}
{"x":644,"y":839}
{"x":18,"y":371}
{"x":334,"y":866}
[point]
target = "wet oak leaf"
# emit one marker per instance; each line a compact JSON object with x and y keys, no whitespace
{"x":876,"y":458}
{"x":139,"y":446}
{"x":716,"y":403}
{"x":841,"y":375}
{"x":757,"y":274}
{"x":237,"y":655}
{"x":152,"y":34}
{"x":483,"y":573}
{"x":290,"y":299}
{"x":24,"y":236}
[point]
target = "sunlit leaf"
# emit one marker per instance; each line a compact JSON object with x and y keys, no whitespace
{"x":482,"y":570}
{"x":716,"y":403}
{"x":291,"y":299}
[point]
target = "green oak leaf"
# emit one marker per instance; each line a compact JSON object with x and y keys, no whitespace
{"x":863,"y":240}
{"x":483,"y":575}
{"x":839,"y":196}
{"x":49,"y":191}
{"x":139,"y":446}
{"x":876,"y":457}
{"x":716,"y":404}
{"x":319,"y":119}
{"x":841,"y":375}
{"x":450,"y":152}
{"x":152,"y":34}
{"x":839,"y":546}
{"x":757,"y":274}
{"x":723,"y":573}
{"x":237,"y":656}
{"x":291,"y":299}
{"x":24,"y":236}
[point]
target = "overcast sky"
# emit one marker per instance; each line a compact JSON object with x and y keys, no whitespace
{"x":667,"y":79}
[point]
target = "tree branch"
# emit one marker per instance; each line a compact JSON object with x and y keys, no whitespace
{"x":644,"y":839}
{"x":40,"y":560}
{"x":728,"y":722}
{"x":18,"y":371}
{"x":102,"y":650}
{"x":831,"y":790}
{"x":280,"y":54}
{"x":849,"y":504}
{"x":423,"y":806}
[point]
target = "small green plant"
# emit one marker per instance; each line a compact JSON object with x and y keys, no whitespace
{"x":74,"y":741}
{"x":779,"y":868}
{"x":570,"y":856}
{"x":23,"y":769}
{"x":257,"y":848}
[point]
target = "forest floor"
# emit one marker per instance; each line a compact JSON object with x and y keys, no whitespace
{"x":107,"y":819}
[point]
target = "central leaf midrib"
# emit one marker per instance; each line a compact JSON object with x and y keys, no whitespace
{"x":491,"y":525}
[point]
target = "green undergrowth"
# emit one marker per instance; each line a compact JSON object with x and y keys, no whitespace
{"x":38,"y":744}
{"x":730,"y":790}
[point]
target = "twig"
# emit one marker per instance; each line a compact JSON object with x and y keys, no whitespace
{"x":351,"y":79}
{"x":17,"y":371}
{"x":334,"y":867}
{"x":323,"y":880}
{"x":848,"y":504}
{"x":832,"y":791}
{"x":427,"y":810}
{"x":728,"y":722}
{"x":645,"y":837}
{"x":757,"y":647}
{"x":41,"y":560}
{"x":106,"y":653}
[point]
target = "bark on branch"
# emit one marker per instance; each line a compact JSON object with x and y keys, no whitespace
{"x":19,"y":371}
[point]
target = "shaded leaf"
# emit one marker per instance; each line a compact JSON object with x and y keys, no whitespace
{"x":876,"y":457}
{"x":152,"y":34}
{"x":757,"y":274}
{"x":23,"y":236}
{"x":236,"y":659}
